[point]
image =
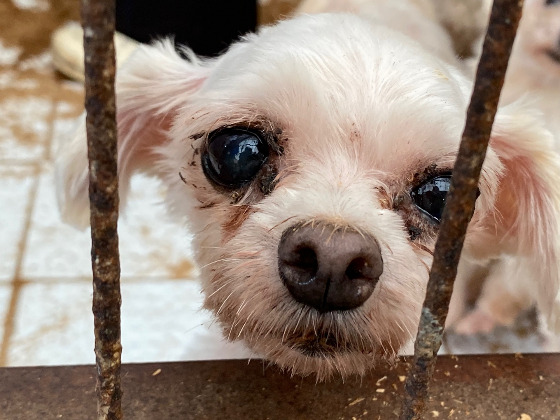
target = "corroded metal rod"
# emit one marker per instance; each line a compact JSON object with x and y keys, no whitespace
{"x":461,"y":199}
{"x":98,"y":21}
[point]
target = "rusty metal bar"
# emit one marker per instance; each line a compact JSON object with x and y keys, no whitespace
{"x":461,"y":199}
{"x":98,"y":21}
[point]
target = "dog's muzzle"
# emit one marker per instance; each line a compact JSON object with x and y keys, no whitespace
{"x":328,"y":267}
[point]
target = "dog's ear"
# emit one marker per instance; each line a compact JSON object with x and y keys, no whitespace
{"x":521,"y":219}
{"x":151,"y":87}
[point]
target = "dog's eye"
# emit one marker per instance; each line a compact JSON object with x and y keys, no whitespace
{"x":549,"y":2}
{"x":430,"y":196}
{"x":234,"y":156}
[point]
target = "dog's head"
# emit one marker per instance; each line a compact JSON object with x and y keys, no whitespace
{"x":312,"y":161}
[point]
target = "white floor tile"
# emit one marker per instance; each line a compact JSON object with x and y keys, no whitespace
{"x":160,"y":322}
{"x":150,"y":245}
{"x":54,"y":326}
{"x":165,"y":321}
{"x":15,"y":188}
{"x":54,"y":249}
{"x":24,"y":128}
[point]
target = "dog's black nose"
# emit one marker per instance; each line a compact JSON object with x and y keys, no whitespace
{"x":327,"y":267}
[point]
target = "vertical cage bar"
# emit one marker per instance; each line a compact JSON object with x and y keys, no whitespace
{"x":461,"y":199}
{"x":98,"y":21}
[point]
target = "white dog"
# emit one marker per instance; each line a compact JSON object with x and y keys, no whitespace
{"x":418,"y":19}
{"x":534,"y":67}
{"x":312,"y":162}
{"x":533,"y":76}
{"x":535,"y":64}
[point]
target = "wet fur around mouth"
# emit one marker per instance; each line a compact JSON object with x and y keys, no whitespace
{"x":320,"y":345}
{"x":324,"y":345}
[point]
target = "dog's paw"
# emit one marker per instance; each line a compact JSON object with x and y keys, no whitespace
{"x":550,"y":323}
{"x":476,"y":322}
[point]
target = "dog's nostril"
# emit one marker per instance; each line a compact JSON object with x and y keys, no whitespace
{"x":327,"y":268}
{"x":357,"y":269}
{"x":306,"y":259}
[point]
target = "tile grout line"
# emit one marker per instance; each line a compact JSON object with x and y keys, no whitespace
{"x":17,"y":282}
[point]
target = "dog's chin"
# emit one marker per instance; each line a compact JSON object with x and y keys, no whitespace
{"x":320,"y":354}
{"x":317,"y":345}
{"x":300,"y":339}
{"x":325,"y":345}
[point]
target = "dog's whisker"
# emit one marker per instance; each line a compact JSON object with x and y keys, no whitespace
{"x":285,"y":332}
{"x":226,"y":284}
{"x":244,"y":303}
{"x":232,"y":326}
{"x":281,"y":223}
{"x":226,"y":299}
{"x":299,"y":318}
{"x":314,"y":324}
{"x":245,"y":323}
{"x":219,"y":261}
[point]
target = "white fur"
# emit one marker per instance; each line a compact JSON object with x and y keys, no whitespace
{"x":414,"y":18}
{"x":359,"y":109}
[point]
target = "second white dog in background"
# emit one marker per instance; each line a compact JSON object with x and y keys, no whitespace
{"x":535,"y":64}
{"x":534,"y":67}
{"x":533,"y":76}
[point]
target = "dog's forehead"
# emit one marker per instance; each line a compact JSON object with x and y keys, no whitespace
{"x":338,"y":81}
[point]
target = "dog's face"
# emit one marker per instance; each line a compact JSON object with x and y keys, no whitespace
{"x":315,"y":252}
{"x":312,"y":162}
{"x":539,"y":36}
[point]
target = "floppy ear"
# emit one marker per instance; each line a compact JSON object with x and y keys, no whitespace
{"x":522,"y":218}
{"x":153,"y":83}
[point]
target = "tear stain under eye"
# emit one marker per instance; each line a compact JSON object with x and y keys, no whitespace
{"x":267,"y":178}
{"x":236,"y":217}
{"x":385,"y":199}
{"x":414,"y":225}
{"x":197,"y":136}
{"x":208,"y":205}
{"x":414,"y":232}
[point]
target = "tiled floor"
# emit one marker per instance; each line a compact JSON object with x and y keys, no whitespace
{"x":45,"y":290}
{"x":45,"y":269}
